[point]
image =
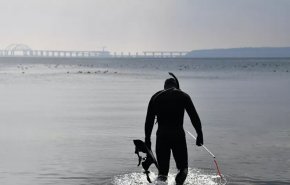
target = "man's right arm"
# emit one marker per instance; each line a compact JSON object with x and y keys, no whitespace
{"x":191,"y":111}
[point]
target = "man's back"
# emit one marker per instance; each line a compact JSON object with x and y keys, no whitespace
{"x":169,"y":106}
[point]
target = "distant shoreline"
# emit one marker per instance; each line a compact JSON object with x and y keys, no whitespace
{"x":249,"y":52}
{"x":135,"y":58}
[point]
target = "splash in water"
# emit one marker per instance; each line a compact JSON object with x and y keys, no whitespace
{"x":195,"y":177}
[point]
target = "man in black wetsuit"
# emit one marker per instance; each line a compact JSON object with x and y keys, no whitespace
{"x":169,"y":105}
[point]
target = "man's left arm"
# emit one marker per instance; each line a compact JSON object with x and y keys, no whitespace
{"x":149,"y":123}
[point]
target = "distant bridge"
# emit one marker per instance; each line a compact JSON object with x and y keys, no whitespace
{"x":22,"y":50}
{"x":165,"y":53}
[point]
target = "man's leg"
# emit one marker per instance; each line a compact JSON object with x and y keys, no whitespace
{"x":163,"y":157}
{"x":181,"y":176}
{"x":179,"y":151}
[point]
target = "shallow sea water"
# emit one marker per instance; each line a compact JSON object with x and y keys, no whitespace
{"x":73,"y":122}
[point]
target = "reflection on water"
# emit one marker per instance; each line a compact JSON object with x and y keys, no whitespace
{"x":195,"y":177}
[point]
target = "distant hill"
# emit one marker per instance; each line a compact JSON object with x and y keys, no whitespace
{"x":264,"y":52}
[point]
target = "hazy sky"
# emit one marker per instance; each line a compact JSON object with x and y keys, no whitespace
{"x":139,"y":25}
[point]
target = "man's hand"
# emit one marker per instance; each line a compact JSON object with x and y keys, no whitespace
{"x":199,"y":140}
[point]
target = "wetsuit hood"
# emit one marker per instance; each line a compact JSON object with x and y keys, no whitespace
{"x":169,"y":83}
{"x":176,"y":80}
